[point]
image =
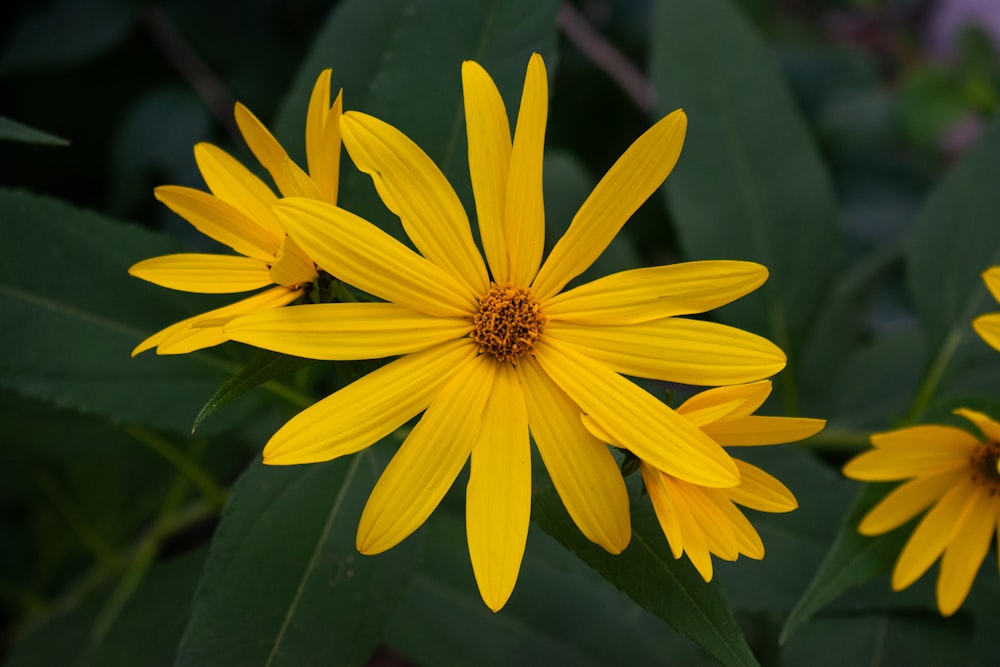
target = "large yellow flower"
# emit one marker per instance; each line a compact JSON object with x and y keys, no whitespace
{"x":702,"y":521}
{"x":239,"y":213}
{"x":988,"y":326}
{"x":489,"y":354}
{"x":954,"y":473}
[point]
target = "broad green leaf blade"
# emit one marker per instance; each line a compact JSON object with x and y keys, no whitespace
{"x":561,"y":613}
{"x":263,"y":367}
{"x":11,"y":130}
{"x":648,"y":573}
{"x":71,"y":315}
{"x":853,"y":559}
{"x":955,"y":239}
{"x":284,"y":583}
{"x":750,"y":183}
{"x":145,"y":633}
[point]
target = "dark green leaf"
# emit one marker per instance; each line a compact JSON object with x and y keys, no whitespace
{"x":71,"y":315}
{"x":284,"y":584}
{"x":14,"y":131}
{"x":749,"y":184}
{"x":648,"y":573}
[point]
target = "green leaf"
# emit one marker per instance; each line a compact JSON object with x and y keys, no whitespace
{"x":145,"y":633}
{"x":284,"y":582}
{"x":853,"y":559}
{"x":750,"y":183}
{"x":72,"y":315}
{"x":648,"y":573}
{"x":14,"y":131}
{"x":561,"y":613}
{"x":955,"y":239}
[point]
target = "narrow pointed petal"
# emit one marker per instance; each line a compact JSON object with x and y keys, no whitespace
{"x":746,"y":539}
{"x":297,"y":182}
{"x":992,"y":279}
{"x":524,"y":209}
{"x":754,"y":430}
{"x":292,"y":267}
{"x":933,"y":535}
{"x":675,"y":350}
{"x":221,"y":221}
{"x":636,"y":420}
{"x":265,"y":148}
{"x":423,"y":469}
{"x":498,"y":496}
{"x":886,"y":465}
{"x":344,"y":244}
{"x":346,"y":331}
{"x":690,"y":521}
{"x":368,"y":409}
{"x":744,"y":399}
{"x":965,"y":554}
{"x":709,"y":414}
{"x":413,"y":188}
{"x":192,"y":334}
{"x":988,"y":327}
{"x":236,"y":185}
{"x":666,"y":513}
{"x":928,"y":435}
{"x":488,"y":132}
{"x":323,"y":138}
{"x":207,"y":274}
{"x":760,"y":491}
{"x":641,"y":295}
{"x":907,"y":501}
{"x":990,"y":428}
{"x":629,"y":183}
{"x":582,"y":468}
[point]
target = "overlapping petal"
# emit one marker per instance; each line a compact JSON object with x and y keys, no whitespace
{"x":907,"y":501}
{"x":892,"y":463}
{"x":965,"y":554}
{"x":756,"y":430}
{"x":323,"y":138}
{"x":236,"y":185}
{"x":675,"y":350}
{"x":760,"y":491}
{"x":629,"y":183}
{"x":346,"y":331}
{"x":369,"y":408}
{"x":208,"y":274}
{"x":265,"y":147}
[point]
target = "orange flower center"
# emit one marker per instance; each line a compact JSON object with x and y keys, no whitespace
{"x":986,"y":466}
{"x":509,"y":322}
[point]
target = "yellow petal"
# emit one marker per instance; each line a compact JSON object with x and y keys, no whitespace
{"x":707,"y":414}
{"x":632,"y":179}
{"x":675,"y":350}
{"x":988,"y":327}
{"x":741,"y":537}
{"x":346,"y":244}
{"x":990,"y":428}
{"x":933,"y":534}
{"x":297,"y":182}
{"x":265,"y":148}
{"x":908,"y":500}
{"x":236,"y":185}
{"x":323,"y":138}
{"x":208,"y":274}
{"x":965,"y":554}
{"x":992,"y":279}
{"x":928,"y":435}
{"x":745,"y":398}
{"x":889,"y":464}
{"x":218,"y":220}
{"x":368,"y":409}
{"x":524,"y":210}
{"x":346,"y":331}
{"x":753,"y":430}
{"x":488,"y":132}
{"x":666,"y":514}
{"x":292,"y":267}
{"x":640,"y":295}
{"x":192,"y":334}
{"x":692,"y":524}
{"x":498,"y":496}
{"x":760,"y":491}
{"x":423,"y":469}
{"x":642,"y":424}
{"x":582,"y":468}
{"x":413,"y":188}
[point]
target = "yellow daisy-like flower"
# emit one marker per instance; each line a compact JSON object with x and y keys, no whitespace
{"x":988,"y":326}
{"x":239,"y":213}
{"x":494,"y":350}
{"x":700,"y":520}
{"x":954,"y":473}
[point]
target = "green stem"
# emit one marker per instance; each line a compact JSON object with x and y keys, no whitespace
{"x":185,"y":464}
{"x":934,"y":374}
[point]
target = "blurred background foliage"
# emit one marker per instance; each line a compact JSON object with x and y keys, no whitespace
{"x":108,"y":506}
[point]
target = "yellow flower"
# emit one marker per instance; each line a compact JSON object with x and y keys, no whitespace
{"x":988,"y":326}
{"x":954,"y":473}
{"x":702,"y":521}
{"x":489,"y":354}
{"x":238,"y":213}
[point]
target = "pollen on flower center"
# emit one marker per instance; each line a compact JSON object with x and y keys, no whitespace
{"x":508,"y":323}
{"x":986,"y":466}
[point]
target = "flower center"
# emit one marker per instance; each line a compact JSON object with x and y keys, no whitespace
{"x":986,"y":466}
{"x":508,"y":323}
